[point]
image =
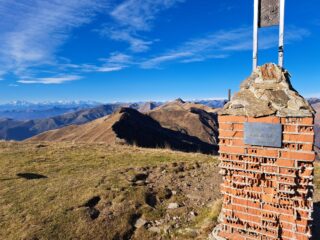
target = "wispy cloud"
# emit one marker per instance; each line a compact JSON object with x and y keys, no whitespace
{"x":33,"y":30}
{"x":156,"y":61}
{"x":115,"y":62}
{"x":109,"y":69}
{"x":133,"y":17}
{"x":136,"y":42}
{"x":51,"y":80}
{"x":222,"y":44}
{"x":117,"y":57}
{"x":139,"y":14}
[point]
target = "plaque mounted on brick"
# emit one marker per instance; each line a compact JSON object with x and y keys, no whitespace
{"x":263,"y":134}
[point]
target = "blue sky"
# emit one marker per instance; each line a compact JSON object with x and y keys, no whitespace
{"x":131,"y":50}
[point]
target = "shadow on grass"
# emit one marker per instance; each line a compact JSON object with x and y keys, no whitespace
{"x":316,"y":221}
{"x":31,"y":176}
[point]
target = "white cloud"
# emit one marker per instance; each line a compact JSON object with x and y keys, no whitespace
{"x":117,"y":57}
{"x":154,"y":62}
{"x":109,"y":69}
{"x":134,"y":16}
{"x":137,"y":44}
{"x":139,"y":14}
{"x":222,"y":44}
{"x":115,"y":62}
{"x":50,"y":80}
{"x":33,"y":30}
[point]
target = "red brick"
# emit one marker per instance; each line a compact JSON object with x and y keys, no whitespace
{"x":237,"y":142}
{"x":290,"y":128}
{"x":305,"y":147}
{"x":305,"y":129}
{"x":287,"y":218}
{"x":244,"y":202}
{"x":231,"y":119}
{"x":228,"y":149}
{"x":302,"y":121}
{"x":246,"y":217}
{"x":237,"y":157}
{"x":302,"y":221}
{"x":271,"y":119}
{"x":231,"y":142}
{"x":268,"y":153}
{"x":225,"y":126}
{"x":238,"y":126}
{"x":308,"y":138}
{"x":285,"y":163}
{"x":298,"y":155}
{"x":288,"y":234}
{"x":225,"y":141}
{"x":303,"y":214}
{"x":269,"y":190}
{"x":233,"y":236}
{"x":267,"y":198}
{"x":291,"y":146}
{"x":237,"y":134}
{"x":302,"y":237}
{"x":263,"y":152}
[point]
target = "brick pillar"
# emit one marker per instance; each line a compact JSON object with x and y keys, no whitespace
{"x":267,"y":191}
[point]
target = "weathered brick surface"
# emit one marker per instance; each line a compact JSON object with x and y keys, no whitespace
{"x":267,"y":191}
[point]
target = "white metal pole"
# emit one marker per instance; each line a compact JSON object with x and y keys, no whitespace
{"x":281,"y":32}
{"x":255,"y":34}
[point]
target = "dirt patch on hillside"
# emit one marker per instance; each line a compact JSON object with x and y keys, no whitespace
{"x":173,"y":201}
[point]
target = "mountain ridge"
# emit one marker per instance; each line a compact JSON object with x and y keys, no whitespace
{"x":129,"y":126}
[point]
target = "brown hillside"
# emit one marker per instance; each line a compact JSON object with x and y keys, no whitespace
{"x":128,"y":126}
{"x":189,"y":118}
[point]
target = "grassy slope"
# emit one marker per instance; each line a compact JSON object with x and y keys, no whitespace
{"x":50,"y":208}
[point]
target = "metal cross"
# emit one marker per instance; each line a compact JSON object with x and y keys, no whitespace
{"x":268,"y":13}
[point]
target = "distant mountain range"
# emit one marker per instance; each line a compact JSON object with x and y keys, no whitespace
{"x":23,"y":110}
{"x":24,"y":105}
{"x":19,"y":130}
{"x":176,"y":125}
{"x":11,"y":129}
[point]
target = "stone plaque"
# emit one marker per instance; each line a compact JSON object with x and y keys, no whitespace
{"x":269,"y":13}
{"x":263,"y":134}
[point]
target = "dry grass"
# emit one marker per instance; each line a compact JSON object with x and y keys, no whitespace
{"x":51,"y":207}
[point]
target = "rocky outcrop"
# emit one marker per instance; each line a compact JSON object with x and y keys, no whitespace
{"x":268,"y":91}
{"x":195,"y":120}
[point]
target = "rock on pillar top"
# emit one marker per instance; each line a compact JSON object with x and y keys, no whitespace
{"x":266,"y":92}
